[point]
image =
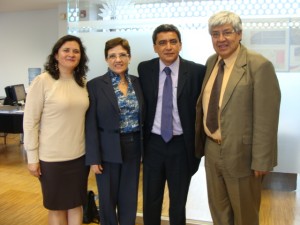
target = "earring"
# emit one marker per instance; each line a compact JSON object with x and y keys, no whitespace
{"x":56,"y":66}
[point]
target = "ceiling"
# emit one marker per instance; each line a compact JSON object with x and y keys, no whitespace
{"x":25,"y":5}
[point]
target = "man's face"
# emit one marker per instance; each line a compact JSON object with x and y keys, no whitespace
{"x":225,"y":40}
{"x":167,"y":47}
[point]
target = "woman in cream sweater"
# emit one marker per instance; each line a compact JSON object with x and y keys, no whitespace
{"x":54,"y":121}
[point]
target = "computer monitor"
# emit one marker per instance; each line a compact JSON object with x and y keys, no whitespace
{"x":19,"y":92}
{"x":9,"y":96}
{"x":15,"y":94}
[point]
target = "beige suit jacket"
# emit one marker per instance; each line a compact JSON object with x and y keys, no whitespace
{"x":249,"y":115}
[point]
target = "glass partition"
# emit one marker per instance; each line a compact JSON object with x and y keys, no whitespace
{"x":271,"y":27}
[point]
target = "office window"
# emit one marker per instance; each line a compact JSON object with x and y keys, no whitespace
{"x":268,"y":24}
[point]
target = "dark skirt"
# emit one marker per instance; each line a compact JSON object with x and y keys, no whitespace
{"x":64,"y":184}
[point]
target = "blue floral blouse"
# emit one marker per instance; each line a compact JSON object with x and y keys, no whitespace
{"x":128,"y":105}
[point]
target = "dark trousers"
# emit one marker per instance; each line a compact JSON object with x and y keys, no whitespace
{"x":118,"y":185}
{"x":165,"y":162}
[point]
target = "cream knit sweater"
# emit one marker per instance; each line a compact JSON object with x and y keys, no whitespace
{"x":54,"y":119}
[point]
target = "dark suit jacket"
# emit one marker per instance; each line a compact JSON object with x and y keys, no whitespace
{"x":190,"y":79}
{"x":102,"y":120}
{"x":249,"y":115}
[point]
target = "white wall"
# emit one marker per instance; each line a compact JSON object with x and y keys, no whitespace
{"x":26,"y":40}
{"x":142,"y":48}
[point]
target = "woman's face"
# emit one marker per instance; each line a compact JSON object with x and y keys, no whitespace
{"x":68,"y":56}
{"x":118,"y":59}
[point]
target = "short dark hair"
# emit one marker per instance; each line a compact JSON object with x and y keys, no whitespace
{"x":82,"y":68}
{"x":115,"y":42}
{"x":165,"y":28}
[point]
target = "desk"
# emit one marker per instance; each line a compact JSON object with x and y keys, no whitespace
{"x":11,"y":120}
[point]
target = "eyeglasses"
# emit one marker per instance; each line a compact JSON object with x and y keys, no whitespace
{"x":225,"y":34}
{"x":163,"y":43}
{"x":122,"y":56}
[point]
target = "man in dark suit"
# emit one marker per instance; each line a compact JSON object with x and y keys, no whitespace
{"x":242,"y":148}
{"x":169,"y":157}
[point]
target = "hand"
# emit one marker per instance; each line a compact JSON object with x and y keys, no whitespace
{"x":34,"y":169}
{"x":98,"y":169}
{"x":260,"y":173}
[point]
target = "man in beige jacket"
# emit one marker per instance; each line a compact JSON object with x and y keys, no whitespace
{"x":243,"y":148}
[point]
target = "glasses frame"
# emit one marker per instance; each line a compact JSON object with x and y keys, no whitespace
{"x":121,"y":56}
{"x":225,"y":34}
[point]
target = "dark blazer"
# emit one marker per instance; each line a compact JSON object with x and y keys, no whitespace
{"x":190,"y":79}
{"x":102,"y":120}
{"x":249,"y":115}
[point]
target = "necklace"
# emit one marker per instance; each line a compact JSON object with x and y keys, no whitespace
{"x":123,"y":82}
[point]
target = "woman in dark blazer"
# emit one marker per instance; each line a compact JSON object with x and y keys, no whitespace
{"x":114,"y":124}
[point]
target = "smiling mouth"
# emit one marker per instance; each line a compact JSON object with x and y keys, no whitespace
{"x":223,"y":47}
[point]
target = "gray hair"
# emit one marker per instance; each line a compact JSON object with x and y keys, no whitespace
{"x":225,"y":17}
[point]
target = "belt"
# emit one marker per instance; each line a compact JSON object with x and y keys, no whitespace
{"x":173,"y":137}
{"x":218,"y":141}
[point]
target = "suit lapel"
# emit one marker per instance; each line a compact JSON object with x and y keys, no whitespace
{"x":139,"y":95}
{"x":209,"y":68}
{"x":154,"y":78}
{"x":237,"y":73}
{"x":136,"y":89}
{"x":109,"y":91}
{"x":182,"y":76}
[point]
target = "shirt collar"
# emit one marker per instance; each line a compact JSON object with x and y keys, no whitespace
{"x":113,"y":74}
{"x":231,"y":59}
{"x":174,"y":66}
